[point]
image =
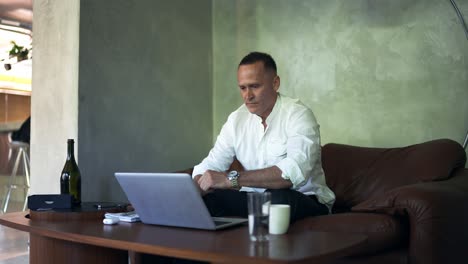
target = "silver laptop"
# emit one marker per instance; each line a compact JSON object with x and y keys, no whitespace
{"x":170,"y":199}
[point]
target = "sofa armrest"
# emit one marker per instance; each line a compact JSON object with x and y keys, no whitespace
{"x":437,"y":213}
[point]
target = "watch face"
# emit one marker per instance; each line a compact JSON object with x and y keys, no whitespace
{"x":232,"y":174}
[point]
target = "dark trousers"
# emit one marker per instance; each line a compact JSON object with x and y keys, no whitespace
{"x":234,"y":203}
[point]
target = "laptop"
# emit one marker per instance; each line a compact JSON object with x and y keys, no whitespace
{"x":170,"y":199}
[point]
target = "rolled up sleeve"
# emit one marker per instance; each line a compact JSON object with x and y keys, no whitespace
{"x":303,"y":149}
{"x":221,"y":155}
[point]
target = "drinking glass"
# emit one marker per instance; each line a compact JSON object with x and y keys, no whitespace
{"x":259,"y":210}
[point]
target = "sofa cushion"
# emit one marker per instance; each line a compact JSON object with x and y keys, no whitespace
{"x":383,"y":231}
{"x":356,"y":174}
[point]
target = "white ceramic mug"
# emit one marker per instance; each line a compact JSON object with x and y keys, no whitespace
{"x":279,"y":218}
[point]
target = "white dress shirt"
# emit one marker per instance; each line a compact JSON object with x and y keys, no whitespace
{"x":291,"y":142}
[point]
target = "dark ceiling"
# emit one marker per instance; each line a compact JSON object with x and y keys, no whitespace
{"x":17,"y":11}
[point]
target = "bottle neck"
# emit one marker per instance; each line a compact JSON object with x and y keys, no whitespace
{"x":70,"y":151}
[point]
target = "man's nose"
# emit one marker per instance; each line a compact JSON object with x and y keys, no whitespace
{"x":249,"y":95}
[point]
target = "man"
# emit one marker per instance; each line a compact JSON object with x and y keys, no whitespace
{"x":23,"y":134}
{"x":277,"y":141}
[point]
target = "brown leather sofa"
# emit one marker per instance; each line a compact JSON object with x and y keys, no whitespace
{"x":411,"y":202}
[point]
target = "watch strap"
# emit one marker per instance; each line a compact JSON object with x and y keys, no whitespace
{"x":233,"y":178}
{"x":234,"y":182}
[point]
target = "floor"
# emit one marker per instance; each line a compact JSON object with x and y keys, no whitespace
{"x":13,"y":243}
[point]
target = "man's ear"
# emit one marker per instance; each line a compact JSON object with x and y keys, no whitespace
{"x":276,"y":83}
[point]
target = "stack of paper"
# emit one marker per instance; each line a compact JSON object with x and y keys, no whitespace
{"x":124,"y":217}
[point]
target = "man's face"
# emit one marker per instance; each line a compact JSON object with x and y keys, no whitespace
{"x":258,"y":88}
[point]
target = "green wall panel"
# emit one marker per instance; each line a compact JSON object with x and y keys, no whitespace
{"x":375,"y":72}
{"x":144,"y":89}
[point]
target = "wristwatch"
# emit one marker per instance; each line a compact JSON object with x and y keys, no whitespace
{"x":232,"y":177}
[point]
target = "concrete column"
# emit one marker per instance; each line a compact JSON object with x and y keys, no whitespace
{"x":54,"y":104}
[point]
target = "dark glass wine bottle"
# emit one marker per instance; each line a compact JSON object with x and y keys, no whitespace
{"x":70,"y":180}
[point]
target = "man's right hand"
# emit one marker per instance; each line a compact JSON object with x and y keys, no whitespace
{"x":196,"y":178}
{"x":210,"y":180}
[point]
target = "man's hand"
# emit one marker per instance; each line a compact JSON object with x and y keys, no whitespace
{"x":195,"y":179}
{"x":213,"y":180}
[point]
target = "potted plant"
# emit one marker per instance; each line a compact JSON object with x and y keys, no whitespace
{"x":20,"y":52}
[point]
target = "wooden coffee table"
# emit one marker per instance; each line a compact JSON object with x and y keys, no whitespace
{"x":90,"y":241}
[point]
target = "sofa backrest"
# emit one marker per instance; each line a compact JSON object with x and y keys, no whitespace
{"x":356,"y":174}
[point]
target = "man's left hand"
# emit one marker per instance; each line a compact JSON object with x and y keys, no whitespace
{"x":214,"y":180}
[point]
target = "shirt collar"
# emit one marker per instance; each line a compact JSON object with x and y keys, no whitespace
{"x":272,"y":115}
{"x":275,"y":110}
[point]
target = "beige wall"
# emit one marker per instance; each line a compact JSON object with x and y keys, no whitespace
{"x":54,"y":106}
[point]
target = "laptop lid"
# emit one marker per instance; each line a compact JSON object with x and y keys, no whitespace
{"x":170,"y":199}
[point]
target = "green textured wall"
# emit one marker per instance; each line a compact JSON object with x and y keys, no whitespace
{"x":145,"y":65}
{"x":375,"y":72}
